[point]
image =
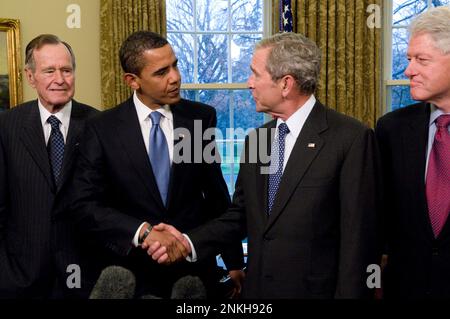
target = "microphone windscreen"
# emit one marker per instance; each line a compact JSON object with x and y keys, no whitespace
{"x":114,"y":282}
{"x":188,"y":287}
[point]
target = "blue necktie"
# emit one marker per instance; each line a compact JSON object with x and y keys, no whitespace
{"x":55,"y":147}
{"x":276,"y":163}
{"x":159,"y":156}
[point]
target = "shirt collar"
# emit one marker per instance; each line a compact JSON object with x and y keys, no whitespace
{"x":296,"y":121}
{"x":63,"y":115}
{"x":435,"y":113}
{"x":144,"y":111}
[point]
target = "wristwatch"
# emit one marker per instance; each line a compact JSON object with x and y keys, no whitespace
{"x":145,"y":234}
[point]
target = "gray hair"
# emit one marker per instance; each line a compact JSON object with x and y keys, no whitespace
{"x":293,"y":54}
{"x":436,"y":23}
{"x":38,"y":43}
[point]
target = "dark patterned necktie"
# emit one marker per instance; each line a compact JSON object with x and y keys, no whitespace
{"x":55,"y":148}
{"x":438,"y":176}
{"x":159,"y":156}
{"x":276,"y":163}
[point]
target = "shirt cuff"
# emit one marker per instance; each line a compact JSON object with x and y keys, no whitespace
{"x":136,"y":236}
{"x":193,"y":256}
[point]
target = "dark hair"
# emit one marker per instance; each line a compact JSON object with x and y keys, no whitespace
{"x":38,"y":43}
{"x":132,"y":49}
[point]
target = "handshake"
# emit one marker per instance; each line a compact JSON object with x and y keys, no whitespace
{"x":164,"y":243}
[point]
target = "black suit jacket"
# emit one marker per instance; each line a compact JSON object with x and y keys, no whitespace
{"x":116,"y":191}
{"x":418,"y":264}
{"x":36,"y":239}
{"x":321,"y":234}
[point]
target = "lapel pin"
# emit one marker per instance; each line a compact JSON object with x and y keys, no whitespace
{"x":311,"y":145}
{"x":180,"y":136}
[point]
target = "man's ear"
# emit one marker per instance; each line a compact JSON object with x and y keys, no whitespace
{"x":287,"y":84}
{"x":132,"y":80}
{"x":30,"y":77}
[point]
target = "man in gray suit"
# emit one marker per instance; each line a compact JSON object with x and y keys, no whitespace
{"x":310,"y":217}
{"x":38,"y":146}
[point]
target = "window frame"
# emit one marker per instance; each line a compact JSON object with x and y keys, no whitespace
{"x":388,"y":82}
{"x":234,"y":86}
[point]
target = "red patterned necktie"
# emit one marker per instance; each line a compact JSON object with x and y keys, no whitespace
{"x":438,"y":176}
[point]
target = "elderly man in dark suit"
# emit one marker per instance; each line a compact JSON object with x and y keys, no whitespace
{"x":38,"y":148}
{"x":130,"y":174}
{"x":310,"y":217}
{"x":415,"y":147}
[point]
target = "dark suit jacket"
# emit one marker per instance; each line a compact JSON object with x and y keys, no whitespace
{"x":320,"y":236}
{"x":418,"y":265}
{"x":116,"y":191}
{"x":36,"y":240}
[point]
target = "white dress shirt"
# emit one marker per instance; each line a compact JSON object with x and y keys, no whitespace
{"x":295,"y":124}
{"x":63,"y":116}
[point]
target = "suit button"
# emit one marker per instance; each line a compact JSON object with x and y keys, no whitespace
{"x":266,"y":238}
{"x":435,"y":251}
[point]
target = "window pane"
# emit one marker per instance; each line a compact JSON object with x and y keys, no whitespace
{"x":219,"y":99}
{"x":404,"y":10}
{"x":438,"y":3}
{"x":230,"y":161}
{"x":212,"y":58}
{"x":183,"y":45}
{"x":399,"y":49}
{"x":212,"y":15}
{"x":241,"y":55}
{"x":246,"y":15}
{"x":180,"y":15}
{"x":400,"y":96}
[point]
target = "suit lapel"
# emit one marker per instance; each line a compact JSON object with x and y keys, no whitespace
{"x":300,"y":159}
{"x":130,"y":135}
{"x":32,"y":137}
{"x":179,"y":122}
{"x":415,"y":140}
{"x":75,"y":129}
{"x":264,"y":135}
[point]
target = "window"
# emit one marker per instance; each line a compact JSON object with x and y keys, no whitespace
{"x":398,"y":15}
{"x":213,"y":40}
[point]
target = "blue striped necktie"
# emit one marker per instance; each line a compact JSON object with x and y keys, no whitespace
{"x":277,"y":160}
{"x":55,"y":148}
{"x":159,"y":156}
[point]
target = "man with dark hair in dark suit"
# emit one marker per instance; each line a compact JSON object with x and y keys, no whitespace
{"x":129,"y":176}
{"x":38,"y":147}
{"x":415,"y":147}
{"x":309,"y":210}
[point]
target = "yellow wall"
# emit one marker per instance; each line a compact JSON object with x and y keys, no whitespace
{"x":49,"y":16}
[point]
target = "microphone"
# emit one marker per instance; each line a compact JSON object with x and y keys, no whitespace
{"x":188,"y":287}
{"x":114,"y":282}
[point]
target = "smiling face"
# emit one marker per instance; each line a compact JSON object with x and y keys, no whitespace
{"x":159,"y":81}
{"x":428,"y":71}
{"x":53,"y":76}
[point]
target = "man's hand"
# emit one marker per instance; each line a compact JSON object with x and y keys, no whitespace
{"x":172,"y":247}
{"x":168,"y":245}
{"x":237,"y":277}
